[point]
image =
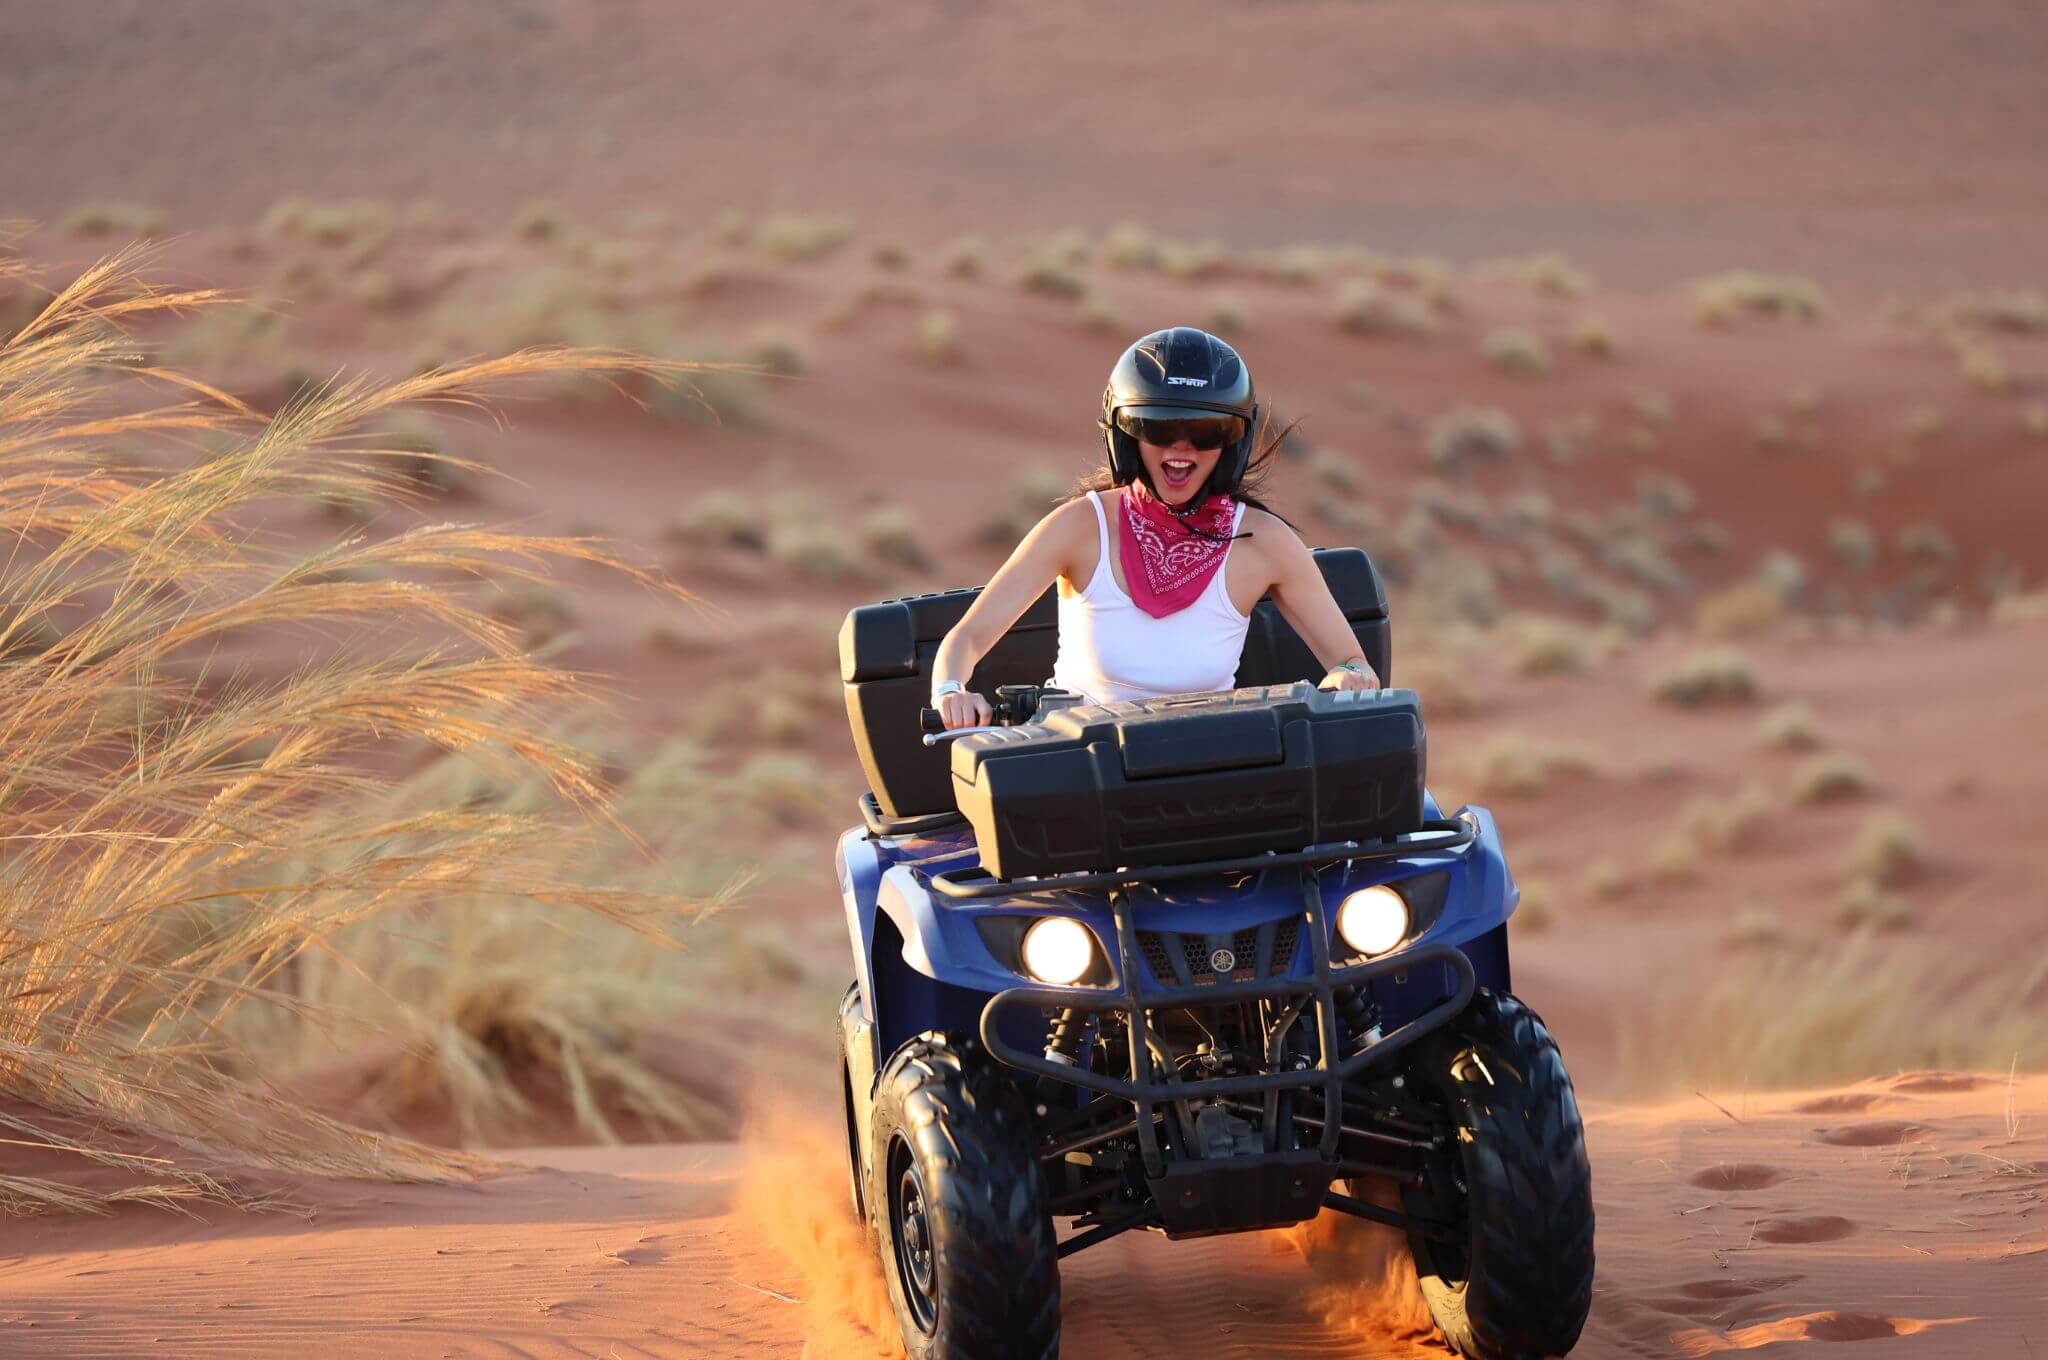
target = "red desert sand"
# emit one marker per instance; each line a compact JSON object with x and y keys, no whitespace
{"x":1897,"y":1210}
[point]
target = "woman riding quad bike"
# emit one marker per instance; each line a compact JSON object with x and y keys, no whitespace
{"x":1177,"y":940}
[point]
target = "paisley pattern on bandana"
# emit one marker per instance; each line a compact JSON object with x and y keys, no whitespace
{"x":1167,"y":563}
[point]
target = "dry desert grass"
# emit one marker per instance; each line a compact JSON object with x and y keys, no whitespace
{"x":206,"y":858}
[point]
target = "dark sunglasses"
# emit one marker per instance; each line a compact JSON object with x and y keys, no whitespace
{"x":1203,"y":430}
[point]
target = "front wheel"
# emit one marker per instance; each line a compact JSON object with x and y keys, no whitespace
{"x":955,"y":1188}
{"x":1517,"y":1282}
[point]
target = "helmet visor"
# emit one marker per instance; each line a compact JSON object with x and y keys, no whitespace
{"x":1166,"y":426}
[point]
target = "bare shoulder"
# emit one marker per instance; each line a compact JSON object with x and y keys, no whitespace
{"x":1272,"y":537}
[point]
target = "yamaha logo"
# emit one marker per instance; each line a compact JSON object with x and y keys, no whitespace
{"x":1222,"y":961}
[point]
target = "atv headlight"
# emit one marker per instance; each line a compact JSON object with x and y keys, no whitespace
{"x":1058,"y":950}
{"x":1373,"y":920}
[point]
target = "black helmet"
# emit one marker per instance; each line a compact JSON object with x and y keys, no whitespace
{"x":1179,"y":374}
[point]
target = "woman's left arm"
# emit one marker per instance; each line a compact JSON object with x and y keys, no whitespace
{"x":1304,"y":600}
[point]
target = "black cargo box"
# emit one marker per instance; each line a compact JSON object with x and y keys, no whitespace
{"x":1172,"y":781}
{"x":886,"y":650}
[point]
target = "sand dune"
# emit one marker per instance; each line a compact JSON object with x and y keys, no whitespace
{"x":1898,"y":1210}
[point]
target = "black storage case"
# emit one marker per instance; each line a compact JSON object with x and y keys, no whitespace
{"x":886,"y":651}
{"x":1173,"y":781}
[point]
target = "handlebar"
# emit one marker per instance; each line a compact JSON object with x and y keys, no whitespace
{"x":1012,"y":705}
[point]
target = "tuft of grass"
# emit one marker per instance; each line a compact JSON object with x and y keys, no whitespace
{"x":1336,"y":472}
{"x":791,"y":239}
{"x":1097,"y":311}
{"x":2034,"y":420}
{"x":1886,"y":852}
{"x":780,"y":352}
{"x":1595,"y":337}
{"x":1743,"y":610}
{"x":889,"y":534}
{"x":964,"y":257}
{"x":1711,"y":676}
{"x":1803,"y":1019}
{"x":1512,"y":765}
{"x":104,"y":218}
{"x":1537,"y":910}
{"x":1471,"y":434}
{"x":1225,"y":314}
{"x":1542,"y":645}
{"x":1608,"y":881}
{"x":890,"y":255}
{"x":1363,"y":307}
{"x":1721,"y":298}
{"x":1127,"y":245}
{"x":1674,"y":861}
{"x":937,"y":341}
{"x":1853,"y":544}
{"x":720,"y":518}
{"x":1053,"y":278}
{"x":1830,"y":777}
{"x":538,"y":219}
{"x":1440,"y":685}
{"x":1755,"y":928}
{"x":1926,"y":542}
{"x":1520,"y":353}
{"x":1664,"y":496}
{"x":1863,"y":905}
{"x":1791,"y":727}
{"x":179,"y":883}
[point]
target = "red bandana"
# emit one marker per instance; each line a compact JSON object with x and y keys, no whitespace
{"x":1167,"y":564}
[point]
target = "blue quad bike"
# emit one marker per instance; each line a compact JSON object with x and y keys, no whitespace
{"x":1194,"y":966}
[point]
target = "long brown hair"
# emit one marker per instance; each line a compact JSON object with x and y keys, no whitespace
{"x":1250,"y":487}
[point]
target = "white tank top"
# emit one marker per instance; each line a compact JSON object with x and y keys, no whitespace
{"x":1110,"y":649}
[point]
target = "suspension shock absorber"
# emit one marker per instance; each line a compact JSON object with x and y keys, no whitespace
{"x":1357,"y":1016}
{"x":1071,"y":1035}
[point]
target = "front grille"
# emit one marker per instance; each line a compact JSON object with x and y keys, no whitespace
{"x":1183,"y":958}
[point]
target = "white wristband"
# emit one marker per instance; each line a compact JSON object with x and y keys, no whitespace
{"x":945,"y":687}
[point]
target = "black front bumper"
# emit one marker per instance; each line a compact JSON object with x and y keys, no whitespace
{"x":1225,"y":1194}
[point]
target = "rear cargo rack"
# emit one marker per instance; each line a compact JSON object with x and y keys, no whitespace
{"x":1433,"y":838}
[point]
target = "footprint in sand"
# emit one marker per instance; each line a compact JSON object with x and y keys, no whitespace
{"x":1878,"y":1133}
{"x":1829,"y":1325}
{"x":1848,"y":1102}
{"x":1737,"y":1176}
{"x":1818,"y":1228}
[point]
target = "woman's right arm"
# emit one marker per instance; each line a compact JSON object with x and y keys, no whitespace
{"x":1045,"y":555}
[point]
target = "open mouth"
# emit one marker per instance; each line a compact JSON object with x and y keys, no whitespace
{"x":1178,"y":471}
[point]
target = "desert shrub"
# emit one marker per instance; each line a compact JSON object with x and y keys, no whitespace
{"x":1440,"y":684}
{"x":1607,"y":880}
{"x":784,"y":789}
{"x":1129,"y":246}
{"x":938,"y":339}
{"x":1594,"y":336}
{"x":889,"y":534}
{"x":2034,"y":420}
{"x":1809,"y":1018}
{"x":178,"y":885}
{"x":1528,"y":511}
{"x":1518,"y":352}
{"x":1634,"y":553}
{"x":1541,"y":645}
{"x":1513,"y":765}
{"x":1665,"y":496}
{"x":1471,"y":434}
{"x":1704,"y":537}
{"x":1721,"y":298}
{"x":1336,"y":471}
{"x":891,"y":255}
{"x":720,"y":518}
{"x":1052,"y":278}
{"x":1886,"y":851}
{"x":1923,"y":423}
{"x":538,"y":220}
{"x":964,"y":257}
{"x":1192,"y":260}
{"x":1869,"y":480}
{"x":1984,"y":366}
{"x":540,"y":612}
{"x":1830,"y":777}
{"x":1853,"y":544}
{"x":1927,"y":542}
{"x":1097,"y":311}
{"x":1719,"y":825}
{"x":1445,"y":506}
{"x":1712,"y":676}
{"x":1791,"y":727}
{"x":778,"y":351}
{"x":1035,"y":491}
{"x":1293,"y":266}
{"x":1674,"y":860}
{"x":1225,"y":314}
{"x":1742,"y":610}
{"x":1538,"y":908}
{"x":108,"y":218}
{"x":1363,"y":307}
{"x":790,"y":239}
{"x":1549,"y":273}
{"x":1652,"y":407}
{"x":1863,"y":905}
{"x":815,"y":548}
